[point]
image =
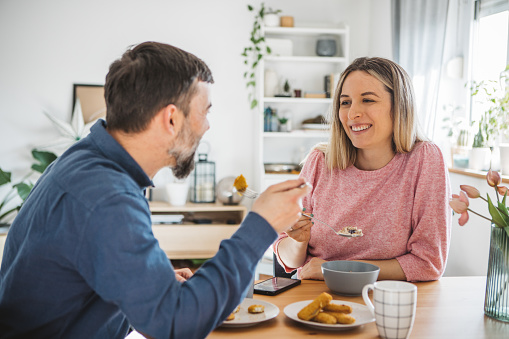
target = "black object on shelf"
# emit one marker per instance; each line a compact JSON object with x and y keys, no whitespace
{"x":203,"y":188}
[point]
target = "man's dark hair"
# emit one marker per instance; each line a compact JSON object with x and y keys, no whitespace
{"x":146,"y":79}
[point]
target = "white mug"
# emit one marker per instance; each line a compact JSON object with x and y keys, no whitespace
{"x":394,"y":307}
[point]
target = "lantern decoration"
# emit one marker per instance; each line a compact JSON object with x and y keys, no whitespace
{"x":203,"y":189}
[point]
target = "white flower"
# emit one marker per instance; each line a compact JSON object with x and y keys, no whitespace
{"x":72,"y":132}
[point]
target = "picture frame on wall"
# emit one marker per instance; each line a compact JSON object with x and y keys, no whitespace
{"x":91,"y":97}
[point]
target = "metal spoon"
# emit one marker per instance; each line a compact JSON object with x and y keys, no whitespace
{"x":347,"y":235}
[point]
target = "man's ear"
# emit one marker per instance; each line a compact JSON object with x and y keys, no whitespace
{"x":171,"y":116}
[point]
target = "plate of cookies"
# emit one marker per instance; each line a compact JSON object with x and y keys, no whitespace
{"x":251,"y":312}
{"x":327,"y":314}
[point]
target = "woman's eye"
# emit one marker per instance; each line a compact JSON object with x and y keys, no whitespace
{"x":368,"y":100}
{"x":344,"y":102}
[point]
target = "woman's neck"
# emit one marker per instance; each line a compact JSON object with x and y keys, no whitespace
{"x":370,"y":160}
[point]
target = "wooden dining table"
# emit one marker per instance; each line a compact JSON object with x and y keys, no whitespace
{"x":452,"y":307}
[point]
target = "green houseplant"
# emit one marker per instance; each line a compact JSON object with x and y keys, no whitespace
{"x":494,"y":97}
{"x":255,"y":51}
{"x":22,"y":188}
{"x":494,"y":100}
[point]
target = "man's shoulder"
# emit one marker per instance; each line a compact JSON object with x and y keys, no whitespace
{"x":89,"y":175}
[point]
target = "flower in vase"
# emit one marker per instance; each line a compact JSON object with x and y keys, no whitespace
{"x":498,"y":212}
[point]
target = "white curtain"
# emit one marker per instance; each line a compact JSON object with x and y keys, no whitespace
{"x":419,"y":30}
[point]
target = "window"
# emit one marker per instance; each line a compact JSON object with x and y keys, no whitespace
{"x":490,"y":43}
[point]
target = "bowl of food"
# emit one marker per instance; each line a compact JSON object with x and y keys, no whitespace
{"x":348,"y":277}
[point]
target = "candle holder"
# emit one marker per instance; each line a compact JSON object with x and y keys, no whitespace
{"x":203,"y":188}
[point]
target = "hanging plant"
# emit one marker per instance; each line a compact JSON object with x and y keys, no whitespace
{"x":255,"y":52}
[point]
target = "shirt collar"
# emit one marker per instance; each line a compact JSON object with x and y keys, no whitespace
{"x":115,"y":152}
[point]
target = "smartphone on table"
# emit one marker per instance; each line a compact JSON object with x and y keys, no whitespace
{"x":275,"y":285}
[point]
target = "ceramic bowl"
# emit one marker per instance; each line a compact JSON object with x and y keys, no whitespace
{"x":348,"y":277}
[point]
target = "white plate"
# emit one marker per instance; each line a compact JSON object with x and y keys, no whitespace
{"x":315,"y":126}
{"x":243,"y":318}
{"x":360,"y":312}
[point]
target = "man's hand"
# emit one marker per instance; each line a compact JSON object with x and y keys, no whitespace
{"x":312,"y":270}
{"x":182,"y":274}
{"x":280,"y":204}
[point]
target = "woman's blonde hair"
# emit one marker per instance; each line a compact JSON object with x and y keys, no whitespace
{"x":339,"y":151}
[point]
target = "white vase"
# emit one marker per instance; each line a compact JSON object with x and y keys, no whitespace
{"x":504,"y":158}
{"x":479,"y":158}
{"x":271,"y":20}
{"x":177,"y":193}
{"x":270,"y":87}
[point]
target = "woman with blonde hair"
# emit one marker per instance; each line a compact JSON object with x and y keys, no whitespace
{"x":376,"y":173}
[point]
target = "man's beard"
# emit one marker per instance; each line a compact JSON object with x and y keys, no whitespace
{"x":184,"y":166}
{"x":185,"y":159}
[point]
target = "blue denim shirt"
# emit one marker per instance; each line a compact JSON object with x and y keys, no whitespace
{"x":81,"y":261}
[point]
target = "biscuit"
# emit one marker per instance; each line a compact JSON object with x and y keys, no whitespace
{"x":312,"y":310}
{"x":338,"y":308}
{"x":256,"y":309}
{"x":325,"y":318}
{"x":342,"y":318}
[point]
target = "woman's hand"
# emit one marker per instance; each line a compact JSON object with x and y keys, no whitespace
{"x":301,"y":231}
{"x":182,"y":274}
{"x":312,"y":270}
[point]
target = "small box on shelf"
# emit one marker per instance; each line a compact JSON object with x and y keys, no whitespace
{"x":315,"y":95}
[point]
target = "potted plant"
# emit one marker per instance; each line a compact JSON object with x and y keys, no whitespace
{"x":271,"y":17}
{"x":480,"y":154}
{"x":22,"y":188}
{"x":284,"y":124}
{"x":494,"y":98}
{"x":254,"y":52}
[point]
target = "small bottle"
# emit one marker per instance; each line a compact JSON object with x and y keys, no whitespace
{"x":267,"y":116}
{"x":274,"y":122}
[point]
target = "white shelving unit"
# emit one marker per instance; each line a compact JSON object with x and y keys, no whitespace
{"x":306,"y":71}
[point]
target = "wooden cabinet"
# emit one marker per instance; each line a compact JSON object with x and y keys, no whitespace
{"x":304,"y":70}
{"x":203,"y":228}
{"x":199,"y":234}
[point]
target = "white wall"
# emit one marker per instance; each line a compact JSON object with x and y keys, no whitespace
{"x":49,"y":45}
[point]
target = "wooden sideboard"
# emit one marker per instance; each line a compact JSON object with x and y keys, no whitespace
{"x":199,"y":234}
{"x":202,"y":229}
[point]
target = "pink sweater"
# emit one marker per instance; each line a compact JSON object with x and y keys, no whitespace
{"x":402,"y":209}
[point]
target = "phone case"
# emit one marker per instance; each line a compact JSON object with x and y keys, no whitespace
{"x":278,"y":290}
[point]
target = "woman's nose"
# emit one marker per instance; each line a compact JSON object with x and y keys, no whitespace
{"x":353,"y":112}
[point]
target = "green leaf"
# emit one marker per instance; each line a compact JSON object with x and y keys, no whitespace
{"x":23,"y":189}
{"x":502,"y":207}
{"x":5,"y":177}
{"x":268,"y":50}
{"x":249,"y":7}
{"x":251,"y":83}
{"x":44,"y":158}
{"x":254,"y":103}
{"x":496,"y":217}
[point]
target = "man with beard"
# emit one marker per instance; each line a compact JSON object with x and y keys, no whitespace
{"x":80,"y":259}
